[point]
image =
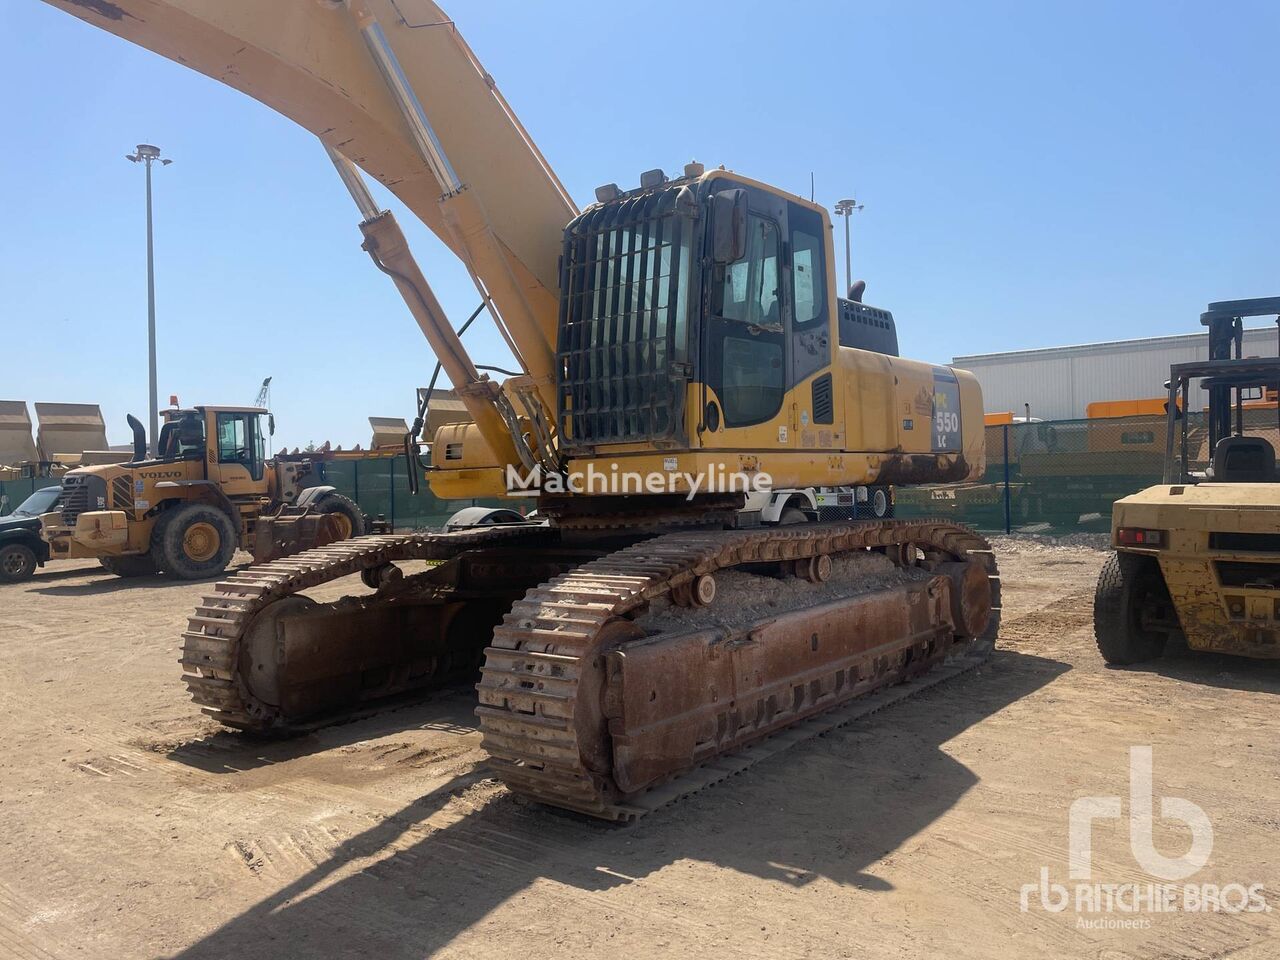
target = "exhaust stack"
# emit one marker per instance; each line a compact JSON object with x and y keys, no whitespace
{"x":139,"y":438}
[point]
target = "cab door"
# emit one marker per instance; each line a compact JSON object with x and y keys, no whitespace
{"x":744,"y":345}
{"x":236,"y":456}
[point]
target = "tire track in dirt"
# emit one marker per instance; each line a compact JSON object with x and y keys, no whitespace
{"x":16,"y":937}
{"x":1058,"y":618}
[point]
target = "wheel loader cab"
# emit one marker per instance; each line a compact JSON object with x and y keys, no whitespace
{"x":236,"y":457}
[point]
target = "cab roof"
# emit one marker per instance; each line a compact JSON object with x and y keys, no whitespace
{"x":216,"y":408}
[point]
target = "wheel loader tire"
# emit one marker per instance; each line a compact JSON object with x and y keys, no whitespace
{"x":193,"y":542}
{"x":350,"y":516}
{"x":1123,"y":585}
{"x":17,"y":562}
{"x":138,"y":566}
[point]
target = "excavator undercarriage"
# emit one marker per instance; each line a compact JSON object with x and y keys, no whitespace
{"x":607,"y":676}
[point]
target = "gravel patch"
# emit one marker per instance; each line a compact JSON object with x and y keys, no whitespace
{"x":744,"y":598}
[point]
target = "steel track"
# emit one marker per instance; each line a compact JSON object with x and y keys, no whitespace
{"x":211,"y":644}
{"x":552,"y":639}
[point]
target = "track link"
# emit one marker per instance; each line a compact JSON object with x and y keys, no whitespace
{"x":541,"y":673}
{"x":212,"y":641}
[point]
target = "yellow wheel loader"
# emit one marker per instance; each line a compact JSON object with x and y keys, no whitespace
{"x":1199,"y":554}
{"x":210,"y":490}
{"x":679,"y":341}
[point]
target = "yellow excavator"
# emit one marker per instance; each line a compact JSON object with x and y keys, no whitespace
{"x":680,"y":342}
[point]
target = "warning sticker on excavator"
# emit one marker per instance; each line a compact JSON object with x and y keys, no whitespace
{"x":946,"y":411}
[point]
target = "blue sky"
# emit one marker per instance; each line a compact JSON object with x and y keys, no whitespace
{"x":1034,"y":174}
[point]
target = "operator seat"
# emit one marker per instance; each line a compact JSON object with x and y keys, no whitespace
{"x":1243,"y":460}
{"x":189,"y":435}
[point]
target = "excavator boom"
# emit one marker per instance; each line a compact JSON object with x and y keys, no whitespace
{"x":338,"y":69}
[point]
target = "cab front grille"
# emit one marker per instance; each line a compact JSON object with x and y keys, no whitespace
{"x":81,"y":493}
{"x":75,"y":499}
{"x":623,"y":335}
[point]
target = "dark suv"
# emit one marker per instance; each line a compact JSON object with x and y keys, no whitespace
{"x":21,"y":549}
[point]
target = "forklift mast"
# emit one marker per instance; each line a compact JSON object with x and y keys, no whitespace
{"x":1225,"y":320}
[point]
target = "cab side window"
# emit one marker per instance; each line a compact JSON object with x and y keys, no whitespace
{"x":751,"y":289}
{"x":239,"y":442}
{"x":806,"y":277}
{"x":746,"y":336}
{"x":810,"y":340}
{"x":233,"y":439}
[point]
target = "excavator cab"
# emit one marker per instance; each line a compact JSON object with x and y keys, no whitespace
{"x":712,"y":279}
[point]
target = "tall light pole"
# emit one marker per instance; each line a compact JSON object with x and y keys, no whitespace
{"x":147,"y":154}
{"x":846,"y":208}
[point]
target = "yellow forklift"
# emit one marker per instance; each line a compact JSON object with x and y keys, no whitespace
{"x":1199,"y":554}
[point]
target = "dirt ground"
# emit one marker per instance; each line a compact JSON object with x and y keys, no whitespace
{"x":130,"y":826}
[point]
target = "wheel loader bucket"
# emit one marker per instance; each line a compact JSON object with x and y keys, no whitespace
{"x":292,"y":531}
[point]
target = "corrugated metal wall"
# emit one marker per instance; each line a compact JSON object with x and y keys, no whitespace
{"x":1061,"y":382}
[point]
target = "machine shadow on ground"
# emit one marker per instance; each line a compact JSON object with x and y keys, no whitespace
{"x":1181,"y":663}
{"x":888,"y":771}
{"x":56,"y":572}
{"x":110,"y":583}
{"x":104,"y":582}
{"x":448,"y":709}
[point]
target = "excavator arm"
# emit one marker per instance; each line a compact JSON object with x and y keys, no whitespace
{"x":391,"y":86}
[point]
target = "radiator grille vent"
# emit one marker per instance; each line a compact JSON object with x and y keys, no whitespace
{"x":75,"y":499}
{"x":122,"y":493}
{"x":823,"y":410}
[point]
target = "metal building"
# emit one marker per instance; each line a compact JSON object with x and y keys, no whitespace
{"x":1060,"y":382}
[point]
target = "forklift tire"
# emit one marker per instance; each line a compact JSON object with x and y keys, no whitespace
{"x":193,"y":542}
{"x":1124,"y":584}
{"x":350,"y":516}
{"x":792,"y":515}
{"x":134,"y":566}
{"x":17,"y":562}
{"x":881,"y":504}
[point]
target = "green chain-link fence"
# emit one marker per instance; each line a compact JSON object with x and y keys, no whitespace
{"x":1054,"y":477}
{"x":1063,"y":476}
{"x":379,"y":484}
